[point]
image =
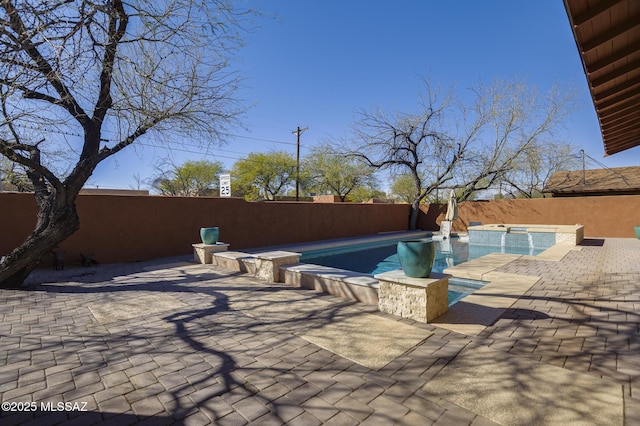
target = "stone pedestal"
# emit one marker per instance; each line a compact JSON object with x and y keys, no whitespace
{"x":420,"y":299}
{"x":268,"y":264}
{"x":202,"y":253}
{"x":235,"y":261}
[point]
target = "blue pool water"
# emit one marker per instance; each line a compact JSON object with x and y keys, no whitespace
{"x":375,"y":258}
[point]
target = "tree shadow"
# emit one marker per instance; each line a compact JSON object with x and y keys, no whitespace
{"x":101,"y":273}
{"x":195,"y":331}
{"x":239,"y":341}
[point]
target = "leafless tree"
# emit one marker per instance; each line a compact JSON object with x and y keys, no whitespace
{"x":93,"y":77}
{"x":418,"y":145}
{"x":449,"y":143}
{"x":517,"y":127}
{"x":530,"y":176}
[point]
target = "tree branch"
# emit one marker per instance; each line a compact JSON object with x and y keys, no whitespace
{"x":10,"y":150}
{"x":67,"y":100}
{"x":117,"y":28}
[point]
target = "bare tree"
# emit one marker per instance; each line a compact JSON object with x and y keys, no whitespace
{"x":139,"y":181}
{"x":94,"y":77}
{"x":517,"y":126}
{"x":530,"y":176}
{"x":417,"y":145}
{"x":450,"y":144}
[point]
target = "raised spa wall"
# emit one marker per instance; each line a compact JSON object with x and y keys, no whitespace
{"x":523,"y":235}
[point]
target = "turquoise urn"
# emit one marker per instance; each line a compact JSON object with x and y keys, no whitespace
{"x":417,"y":257}
{"x":209,"y":235}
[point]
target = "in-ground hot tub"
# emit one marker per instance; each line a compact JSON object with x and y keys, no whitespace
{"x":519,"y":235}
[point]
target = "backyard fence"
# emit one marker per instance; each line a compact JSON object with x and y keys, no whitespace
{"x":603,"y":216}
{"x":121,"y":228}
{"x":133,"y":228}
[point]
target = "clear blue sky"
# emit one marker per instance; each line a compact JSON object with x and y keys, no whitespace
{"x":315,"y":63}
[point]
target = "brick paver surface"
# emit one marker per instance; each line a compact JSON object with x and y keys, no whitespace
{"x":231,"y":357}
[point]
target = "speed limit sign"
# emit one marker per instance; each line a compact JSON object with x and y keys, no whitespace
{"x":225,"y":185}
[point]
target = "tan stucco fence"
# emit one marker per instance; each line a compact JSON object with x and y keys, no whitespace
{"x":133,"y":228}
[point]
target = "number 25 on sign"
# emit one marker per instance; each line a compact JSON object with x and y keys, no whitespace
{"x":225,"y":185}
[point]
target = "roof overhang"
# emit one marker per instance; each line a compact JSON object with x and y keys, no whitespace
{"x":607,"y":33}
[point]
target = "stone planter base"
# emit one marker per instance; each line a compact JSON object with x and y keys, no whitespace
{"x":202,"y":253}
{"x":419,"y":299}
{"x":268,"y":264}
{"x":264,"y":266}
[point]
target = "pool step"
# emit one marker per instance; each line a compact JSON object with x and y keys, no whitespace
{"x":339,"y":282}
{"x":462,"y":285}
{"x":476,"y":269}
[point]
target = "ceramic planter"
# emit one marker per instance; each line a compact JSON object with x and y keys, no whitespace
{"x":209,"y":235}
{"x":417,"y":257}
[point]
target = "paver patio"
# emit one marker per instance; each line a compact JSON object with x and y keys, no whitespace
{"x":182,"y":343}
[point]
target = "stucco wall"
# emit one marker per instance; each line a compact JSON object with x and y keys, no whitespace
{"x":608,"y":216}
{"x":130,"y":228}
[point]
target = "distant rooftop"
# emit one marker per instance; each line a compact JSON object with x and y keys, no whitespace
{"x":612,"y":181}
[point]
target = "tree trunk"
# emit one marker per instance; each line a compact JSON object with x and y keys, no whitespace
{"x":413,"y":217}
{"x":51,"y":230}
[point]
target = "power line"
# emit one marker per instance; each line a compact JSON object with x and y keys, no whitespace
{"x":260,"y":139}
{"x":584,"y":154}
{"x":186,"y":150}
{"x":109,"y":131}
{"x":197,"y":152}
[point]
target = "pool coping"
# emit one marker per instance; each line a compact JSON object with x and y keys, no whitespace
{"x":554,"y":253}
{"x":340,"y":242}
{"x":469,"y":315}
{"x":480,"y":309}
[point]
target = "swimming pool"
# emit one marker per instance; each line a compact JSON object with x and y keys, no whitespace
{"x":375,"y":258}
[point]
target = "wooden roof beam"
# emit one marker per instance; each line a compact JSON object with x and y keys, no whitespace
{"x":618,"y":112}
{"x":630,"y":100}
{"x":618,"y":145}
{"x":633,"y":128}
{"x":608,"y":35}
{"x":614,"y":57}
{"x":610,"y":151}
{"x":591,"y":13}
{"x":623,"y":123}
{"x":618,"y":117}
{"x":630,"y":67}
{"x":619,"y":98}
{"x":634,"y":81}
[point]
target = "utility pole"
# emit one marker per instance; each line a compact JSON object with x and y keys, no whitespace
{"x":584,"y":178}
{"x":298,"y":132}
